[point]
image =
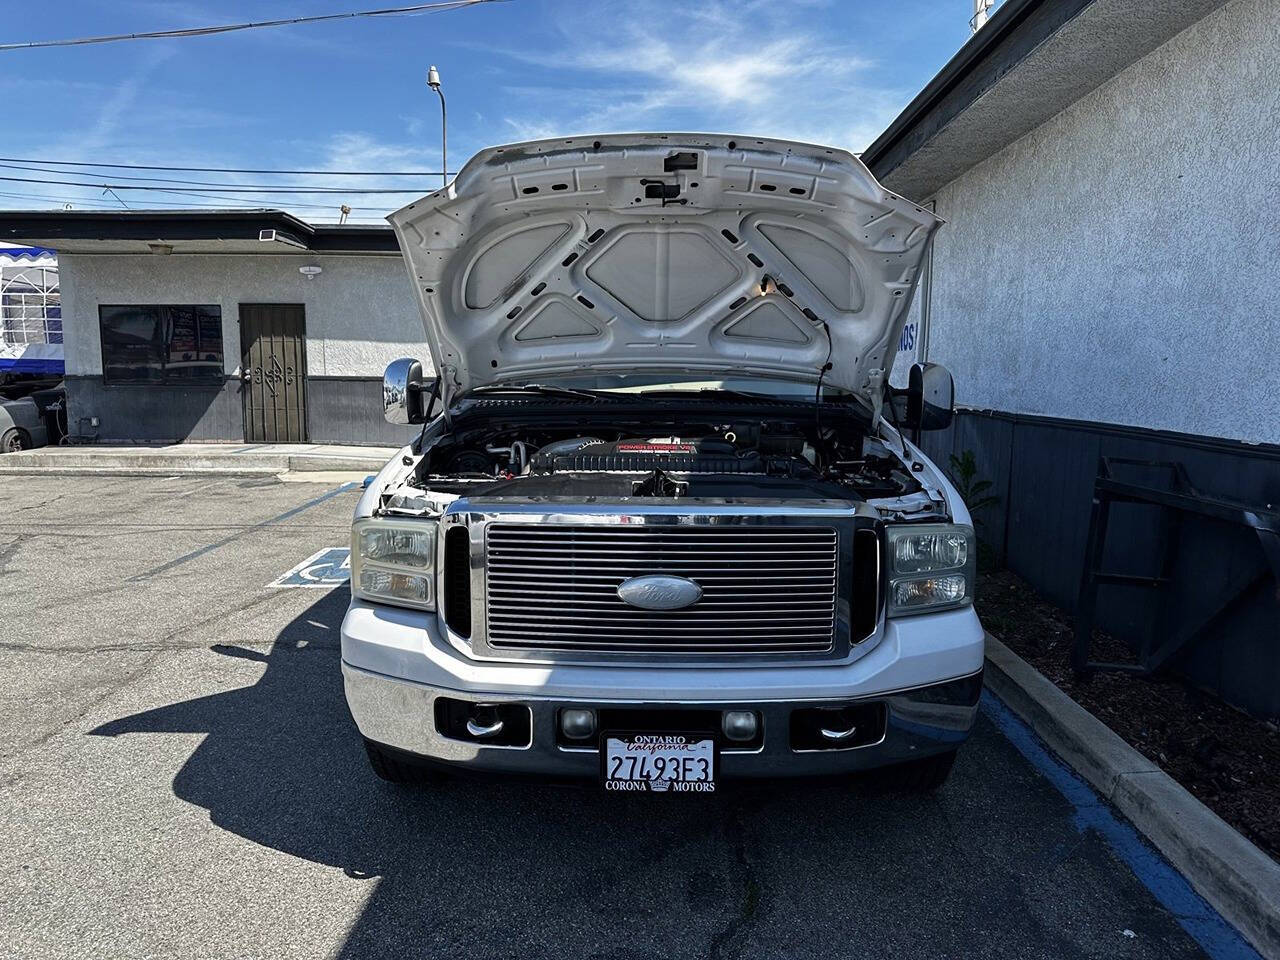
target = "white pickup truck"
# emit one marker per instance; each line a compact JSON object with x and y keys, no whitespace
{"x":664,"y":525}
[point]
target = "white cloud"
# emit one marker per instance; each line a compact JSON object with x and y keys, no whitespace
{"x":360,"y":151}
{"x":760,"y":68}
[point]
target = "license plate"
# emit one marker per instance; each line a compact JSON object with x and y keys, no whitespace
{"x":659,"y":763}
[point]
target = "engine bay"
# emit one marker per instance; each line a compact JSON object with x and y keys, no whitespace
{"x":758,"y":457}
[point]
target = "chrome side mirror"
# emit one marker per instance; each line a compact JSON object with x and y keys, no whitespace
{"x":930,"y":397}
{"x":405,"y":392}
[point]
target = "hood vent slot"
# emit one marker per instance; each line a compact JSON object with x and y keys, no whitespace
{"x":680,"y":161}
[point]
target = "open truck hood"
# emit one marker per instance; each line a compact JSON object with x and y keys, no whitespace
{"x":704,"y":257}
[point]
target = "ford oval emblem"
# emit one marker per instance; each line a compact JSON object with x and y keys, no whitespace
{"x":659,"y":592}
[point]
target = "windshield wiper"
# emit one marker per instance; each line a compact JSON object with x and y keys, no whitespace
{"x":545,"y":390}
{"x":743,"y":394}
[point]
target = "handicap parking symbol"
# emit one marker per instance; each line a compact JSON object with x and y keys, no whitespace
{"x":329,"y":567}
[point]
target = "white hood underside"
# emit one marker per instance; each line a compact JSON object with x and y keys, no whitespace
{"x":563,"y":259}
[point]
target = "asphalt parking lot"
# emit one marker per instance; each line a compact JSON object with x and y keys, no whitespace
{"x":181,"y":779}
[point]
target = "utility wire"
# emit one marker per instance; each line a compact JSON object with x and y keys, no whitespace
{"x":79,"y":200}
{"x":230,"y":27}
{"x":117,"y":196}
{"x":197,"y":191}
{"x":143,"y":166}
{"x":255,"y":204}
{"x":221,"y":184}
{"x":91,"y":205}
{"x":228,"y":198}
{"x":251,"y":205}
{"x":246,"y":204}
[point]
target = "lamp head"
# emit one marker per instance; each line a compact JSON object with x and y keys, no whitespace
{"x":433,"y":77}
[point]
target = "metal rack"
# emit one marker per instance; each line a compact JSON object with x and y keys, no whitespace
{"x":1179,"y":501}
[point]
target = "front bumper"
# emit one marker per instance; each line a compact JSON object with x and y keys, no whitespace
{"x":925,"y":670}
{"x":919,"y":723}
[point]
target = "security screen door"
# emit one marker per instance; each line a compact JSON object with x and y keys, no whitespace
{"x":273,"y":371}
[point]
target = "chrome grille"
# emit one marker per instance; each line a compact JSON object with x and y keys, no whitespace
{"x":767,"y":589}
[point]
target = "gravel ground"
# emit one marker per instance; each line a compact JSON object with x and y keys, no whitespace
{"x":180,"y":778}
{"x":1230,"y":761}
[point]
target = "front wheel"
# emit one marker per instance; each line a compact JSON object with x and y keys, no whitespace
{"x":14,"y":440}
{"x":918,"y":776}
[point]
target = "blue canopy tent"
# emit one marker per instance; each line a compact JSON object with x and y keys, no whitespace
{"x":33,"y":359}
{"x":30,"y":314}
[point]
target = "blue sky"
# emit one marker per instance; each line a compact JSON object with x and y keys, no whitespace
{"x":351,"y":94}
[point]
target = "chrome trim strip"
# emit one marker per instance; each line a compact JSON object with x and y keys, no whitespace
{"x":857,"y":746}
{"x":649,"y":701}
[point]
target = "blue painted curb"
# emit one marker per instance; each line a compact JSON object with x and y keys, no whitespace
{"x":1216,"y":937}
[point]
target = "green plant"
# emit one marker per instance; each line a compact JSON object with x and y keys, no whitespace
{"x":976,"y":495}
{"x":964,"y":474}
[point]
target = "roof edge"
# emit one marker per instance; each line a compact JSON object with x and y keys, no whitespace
{"x":163,"y":225}
{"x":887,"y":150}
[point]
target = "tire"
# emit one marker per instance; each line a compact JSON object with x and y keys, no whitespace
{"x":396,"y":768}
{"x":14,"y":439}
{"x":919,"y":776}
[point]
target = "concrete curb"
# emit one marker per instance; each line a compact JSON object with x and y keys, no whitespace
{"x":104,"y":463}
{"x":1237,"y":879}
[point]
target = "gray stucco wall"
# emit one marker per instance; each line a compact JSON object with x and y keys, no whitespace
{"x":360,"y":315}
{"x":1118,"y":263}
{"x":360,"y":311}
{"x":1106,"y":286}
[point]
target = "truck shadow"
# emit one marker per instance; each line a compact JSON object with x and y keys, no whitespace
{"x":492,"y":868}
{"x":508,"y":868}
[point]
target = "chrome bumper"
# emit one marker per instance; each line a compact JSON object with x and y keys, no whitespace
{"x":401,"y":714}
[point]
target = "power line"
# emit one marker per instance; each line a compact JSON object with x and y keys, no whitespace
{"x":47,"y":199}
{"x":197,"y":191}
{"x":230,"y":27}
{"x":96,"y":204}
{"x":255,"y":204}
{"x":119,"y":199}
{"x":221,"y":184}
{"x":250,"y":204}
{"x":227,"y":198}
{"x":143,"y":166}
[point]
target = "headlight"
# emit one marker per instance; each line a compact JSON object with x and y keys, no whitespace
{"x":394,"y":562}
{"x":931,"y":567}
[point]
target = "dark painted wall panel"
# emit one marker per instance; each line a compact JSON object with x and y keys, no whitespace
{"x":1051,"y":467}
{"x":343,"y":410}
{"x":132,"y":412}
{"x":349,"y":410}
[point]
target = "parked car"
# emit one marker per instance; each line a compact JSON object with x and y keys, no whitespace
{"x":31,"y":421}
{"x":666,"y":522}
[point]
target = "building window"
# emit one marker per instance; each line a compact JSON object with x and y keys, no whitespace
{"x":161,"y":344}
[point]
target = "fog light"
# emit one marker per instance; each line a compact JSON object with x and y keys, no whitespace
{"x":577,"y":724}
{"x":740,"y":725}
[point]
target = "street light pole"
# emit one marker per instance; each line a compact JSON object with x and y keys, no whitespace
{"x":433,"y":81}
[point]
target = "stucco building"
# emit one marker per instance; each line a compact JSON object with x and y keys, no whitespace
{"x":1105,"y":285}
{"x":227,"y":325}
